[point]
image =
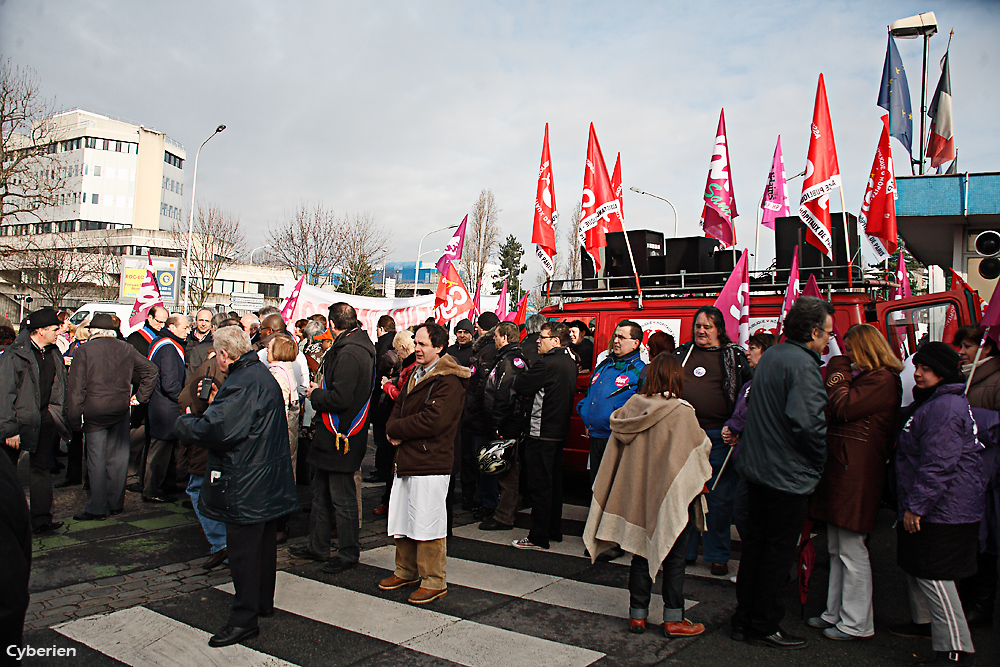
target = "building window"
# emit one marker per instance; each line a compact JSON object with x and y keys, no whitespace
{"x":66,"y":226}
{"x":90,"y":142}
{"x":104,"y":144}
{"x":93,"y":198}
{"x":97,"y":170}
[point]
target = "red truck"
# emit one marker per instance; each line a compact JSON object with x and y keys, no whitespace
{"x":904,"y":322}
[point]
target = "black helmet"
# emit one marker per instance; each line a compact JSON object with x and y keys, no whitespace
{"x":497,"y":456}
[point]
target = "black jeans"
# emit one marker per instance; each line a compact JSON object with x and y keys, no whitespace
{"x":640,"y":585}
{"x":774,"y":523}
{"x":39,"y":478}
{"x":543,"y":463}
{"x":334,"y":498}
{"x":597,"y":447}
{"x":74,"y":458}
{"x":252,"y":551}
{"x":384,"y":451}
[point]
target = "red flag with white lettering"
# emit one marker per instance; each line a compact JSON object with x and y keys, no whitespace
{"x":147,"y":297}
{"x":822,"y":176}
{"x":599,"y":201}
{"x":452,"y":299}
{"x":543,"y":233}
{"x":878,"y":210}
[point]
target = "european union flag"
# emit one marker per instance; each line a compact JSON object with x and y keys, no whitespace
{"x":894,"y":96}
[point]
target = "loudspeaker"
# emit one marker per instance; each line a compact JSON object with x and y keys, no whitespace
{"x":645,"y":245}
{"x":811,"y":260}
{"x":691,"y":254}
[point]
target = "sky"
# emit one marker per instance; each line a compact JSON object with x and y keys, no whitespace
{"x":407,"y":110}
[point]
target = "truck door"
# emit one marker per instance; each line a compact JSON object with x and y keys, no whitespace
{"x":908,"y":323}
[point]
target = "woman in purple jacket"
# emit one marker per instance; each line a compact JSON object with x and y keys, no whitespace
{"x":940,"y":504}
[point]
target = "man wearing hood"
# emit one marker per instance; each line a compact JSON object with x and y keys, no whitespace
{"x":340,"y":440}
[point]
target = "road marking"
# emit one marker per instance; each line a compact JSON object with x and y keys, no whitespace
{"x":140,"y":637}
{"x":544,"y":588}
{"x":423,"y":630}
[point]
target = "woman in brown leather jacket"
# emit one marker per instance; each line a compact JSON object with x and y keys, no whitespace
{"x":864,"y":394}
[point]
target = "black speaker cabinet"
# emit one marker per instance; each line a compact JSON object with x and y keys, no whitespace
{"x":691,"y":254}
{"x":811,"y":261}
{"x":645,"y":245}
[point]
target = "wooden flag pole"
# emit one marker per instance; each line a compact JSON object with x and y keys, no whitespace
{"x":756,"y":243}
{"x":847,"y":240}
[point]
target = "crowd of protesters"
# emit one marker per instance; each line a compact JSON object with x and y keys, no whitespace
{"x":683,"y":443}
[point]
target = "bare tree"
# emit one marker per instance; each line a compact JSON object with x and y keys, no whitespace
{"x":363,"y":246}
{"x":52,"y":272}
{"x":568,"y":264}
{"x":31,"y":176}
{"x":219,"y":241}
{"x":482,"y":236}
{"x":106,"y":264}
{"x":307,"y":241}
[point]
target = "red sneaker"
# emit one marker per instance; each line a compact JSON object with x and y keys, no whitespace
{"x":380,"y":510}
{"x":636,"y":625}
{"x":683,"y":628}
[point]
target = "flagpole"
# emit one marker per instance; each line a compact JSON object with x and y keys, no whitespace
{"x":628,"y":245}
{"x":847,"y":240}
{"x":756,"y":243}
{"x":979,"y":353}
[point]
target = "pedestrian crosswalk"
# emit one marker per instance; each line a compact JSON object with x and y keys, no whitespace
{"x":504,"y":607}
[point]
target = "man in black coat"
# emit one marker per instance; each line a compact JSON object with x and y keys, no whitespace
{"x":340,"y":440}
{"x":15,"y":557}
{"x":461,"y":350}
{"x":167,"y":353}
{"x":140,"y":340}
{"x":32,"y":400}
{"x":466,"y":469}
{"x":476,"y":425}
{"x":249,"y":482}
{"x":548,"y":386}
{"x":387,"y":361}
{"x":98,"y":396}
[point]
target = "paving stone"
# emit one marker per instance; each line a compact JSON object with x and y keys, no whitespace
{"x":110,"y":581}
{"x":163,"y":586}
{"x":73,"y":598}
{"x":161,"y":595}
{"x":65,"y":610}
{"x":133,"y":585}
{"x":90,"y":611}
{"x":187,"y":588}
{"x":176,"y":567}
{"x":35,"y":606}
{"x":45,"y":595}
{"x":93,"y":602}
{"x":79,"y":588}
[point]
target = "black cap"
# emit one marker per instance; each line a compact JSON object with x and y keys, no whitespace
{"x":465,"y":325}
{"x":488,"y":320}
{"x":45,"y":317}
{"x":941,"y":359}
{"x":102,"y":321}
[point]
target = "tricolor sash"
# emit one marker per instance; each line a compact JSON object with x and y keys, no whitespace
{"x":332,"y":421}
{"x":162,"y":343}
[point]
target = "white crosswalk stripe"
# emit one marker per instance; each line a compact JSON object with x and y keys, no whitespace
{"x":140,"y":637}
{"x":419,"y":629}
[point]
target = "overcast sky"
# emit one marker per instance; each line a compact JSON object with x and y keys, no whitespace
{"x":408,"y":109}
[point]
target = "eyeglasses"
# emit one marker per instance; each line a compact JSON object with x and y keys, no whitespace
{"x":621,"y":337}
{"x":548,"y":337}
{"x":161,"y":322}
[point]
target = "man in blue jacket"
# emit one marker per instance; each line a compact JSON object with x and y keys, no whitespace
{"x":248,"y":477}
{"x":782,"y":453}
{"x":613,"y":382}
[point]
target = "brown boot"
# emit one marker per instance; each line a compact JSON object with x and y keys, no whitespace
{"x":394,"y":582}
{"x":425,"y":595}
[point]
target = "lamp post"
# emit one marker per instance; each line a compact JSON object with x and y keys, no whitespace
{"x":255,"y":250}
{"x":643,"y":192}
{"x":922,"y":25}
{"x":416,"y":270}
{"x":194,"y":189}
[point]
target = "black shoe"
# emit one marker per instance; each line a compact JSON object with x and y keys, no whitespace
{"x":87,"y":516}
{"x":470,"y":506}
{"x":373,"y":478}
{"x":66,"y":483}
{"x":215,"y":560}
{"x":337,"y":565}
{"x":555,"y":538}
{"x":911,"y":629}
{"x":47,"y":527}
{"x":482,"y":513}
{"x":977,"y":618}
{"x":134,"y":487}
{"x":232,"y":635}
{"x":950,"y":658}
{"x":611,"y":554}
{"x":305,"y":554}
{"x":779,"y":639}
{"x":157,"y":499}
{"x":114,"y":512}
{"x":266,"y":614}
{"x":738,"y":634}
{"x":490,"y":523}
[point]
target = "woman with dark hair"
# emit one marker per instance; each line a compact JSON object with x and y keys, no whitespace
{"x":979,"y":593}
{"x":864,"y":394}
{"x":940,"y":502}
{"x":647,"y":492}
{"x":715,"y":368}
{"x":659,"y":342}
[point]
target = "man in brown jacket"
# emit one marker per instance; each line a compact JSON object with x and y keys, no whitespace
{"x":422,"y":427}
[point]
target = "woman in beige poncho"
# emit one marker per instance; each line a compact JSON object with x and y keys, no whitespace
{"x":648,"y":489}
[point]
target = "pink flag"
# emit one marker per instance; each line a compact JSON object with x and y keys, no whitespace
{"x":148,"y":296}
{"x":903,"y":278}
{"x":453,"y":252}
{"x":836,"y":341}
{"x":992,"y":316}
{"x":775,"y":202}
{"x":791,"y":292}
{"x":476,"y":309}
{"x":720,"y":201}
{"x":734,"y":302}
{"x":501,"y":310}
{"x":292,"y":300}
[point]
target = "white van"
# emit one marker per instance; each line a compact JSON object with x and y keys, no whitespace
{"x":87,"y":312}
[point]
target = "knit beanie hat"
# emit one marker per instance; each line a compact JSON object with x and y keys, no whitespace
{"x":488,"y":320}
{"x":941,"y":359}
{"x":465,"y":325}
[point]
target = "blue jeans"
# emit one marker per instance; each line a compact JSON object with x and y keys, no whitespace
{"x":717,"y":538}
{"x":215,"y":531}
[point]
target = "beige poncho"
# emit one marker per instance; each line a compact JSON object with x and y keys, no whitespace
{"x":655,"y":464}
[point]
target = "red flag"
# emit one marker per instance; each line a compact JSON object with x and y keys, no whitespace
{"x":147,"y":297}
{"x":720,"y":200}
{"x":452,"y":299}
{"x":543,"y":234}
{"x":992,"y":316}
{"x":836,"y":344}
{"x":734,"y":302}
{"x":791,"y":292}
{"x":822,"y":176}
{"x":476,"y":308}
{"x":957,"y":283}
{"x":599,"y":201}
{"x":501,"y":310}
{"x":291,"y":301}
{"x":521,"y":314}
{"x":616,"y":222}
{"x":941,"y":144}
{"x":878,"y":211}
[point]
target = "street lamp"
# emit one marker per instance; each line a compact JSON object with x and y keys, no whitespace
{"x":416,"y":270}
{"x":910,"y":28}
{"x":643,"y":192}
{"x":255,"y":250}
{"x":194,"y":186}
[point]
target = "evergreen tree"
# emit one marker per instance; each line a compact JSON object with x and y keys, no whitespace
{"x":511,"y":268}
{"x":357,"y":278}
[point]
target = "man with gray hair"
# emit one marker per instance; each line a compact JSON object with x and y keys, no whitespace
{"x":529,"y":346}
{"x":248,"y":476}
